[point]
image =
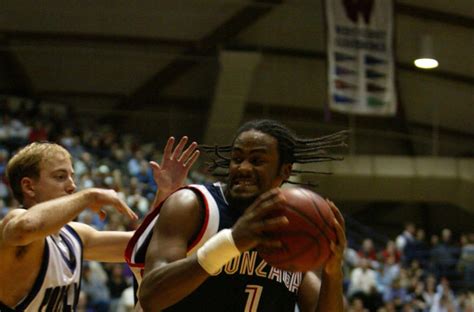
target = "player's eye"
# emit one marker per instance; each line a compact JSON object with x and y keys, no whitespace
{"x":61,"y":177}
{"x":257,"y":161}
{"x":236,"y":160}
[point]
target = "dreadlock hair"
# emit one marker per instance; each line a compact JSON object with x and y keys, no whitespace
{"x":291,"y":148}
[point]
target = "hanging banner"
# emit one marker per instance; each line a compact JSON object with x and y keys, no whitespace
{"x":360,"y":56}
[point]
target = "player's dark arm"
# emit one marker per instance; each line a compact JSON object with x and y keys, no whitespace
{"x":169,"y":275}
{"x":308,"y":294}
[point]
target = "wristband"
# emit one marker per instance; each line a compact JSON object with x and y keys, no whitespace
{"x":217,"y":251}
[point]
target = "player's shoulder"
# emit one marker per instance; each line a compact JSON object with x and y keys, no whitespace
{"x":10,"y":250}
{"x":184,"y":196}
{"x":187,"y":204}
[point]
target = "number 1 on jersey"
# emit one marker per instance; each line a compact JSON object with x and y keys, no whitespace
{"x":255,"y":292}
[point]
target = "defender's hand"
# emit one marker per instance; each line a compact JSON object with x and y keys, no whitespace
{"x":175,"y":165}
{"x":103,"y":197}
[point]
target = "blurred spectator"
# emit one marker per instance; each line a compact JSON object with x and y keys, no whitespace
{"x":390,"y":271}
{"x":367,"y":250}
{"x":39,"y":132}
{"x":419,"y":299}
{"x":83,"y":164}
{"x":465,"y":264}
{"x":357,"y":305}
{"x":466,"y":301}
{"x":390,"y":250}
{"x":13,"y":133}
{"x":351,"y":260}
{"x":363,"y":278}
{"x":396,"y":293}
{"x":444,"y":299}
{"x":134,"y":163}
{"x":94,"y":286}
{"x":127,"y":301}
{"x":82,"y":304}
{"x":91,"y":218}
{"x":444,"y":255}
{"x":3,"y":208}
{"x":138,"y":203}
{"x":4,"y":192}
{"x":145,"y":178}
{"x":3,"y":161}
{"x":116,"y":284}
{"x":430,"y":289}
{"x":405,"y":240}
{"x":421,"y":249}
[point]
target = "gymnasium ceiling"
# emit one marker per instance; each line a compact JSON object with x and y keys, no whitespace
{"x":162,"y":58}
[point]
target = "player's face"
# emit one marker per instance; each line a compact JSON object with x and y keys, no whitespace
{"x":56,"y":179}
{"x":254,"y":167}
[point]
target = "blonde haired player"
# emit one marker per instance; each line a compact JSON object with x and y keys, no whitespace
{"x":41,"y":248}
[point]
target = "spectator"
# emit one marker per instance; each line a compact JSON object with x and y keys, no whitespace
{"x":134,"y":163}
{"x":444,"y":299}
{"x":444,"y":256}
{"x":405,"y":242}
{"x":82,"y":304}
{"x":419,"y":298}
{"x":390,"y":251}
{"x":94,"y":285}
{"x":421,"y":250}
{"x":367,"y":251}
{"x":466,"y":261}
{"x":127,"y":301}
{"x":396,"y":293}
{"x":117,"y":284}
{"x":357,"y":305}
{"x":39,"y":132}
{"x":363,"y":279}
{"x":390,"y":271}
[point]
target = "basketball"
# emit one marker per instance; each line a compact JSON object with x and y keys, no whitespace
{"x":306,"y":239}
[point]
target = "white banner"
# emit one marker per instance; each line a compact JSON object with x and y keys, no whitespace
{"x":360,"y":54}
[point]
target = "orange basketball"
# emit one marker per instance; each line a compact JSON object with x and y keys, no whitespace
{"x":306,"y":240}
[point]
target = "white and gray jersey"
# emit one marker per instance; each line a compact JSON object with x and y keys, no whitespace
{"x":57,"y":286}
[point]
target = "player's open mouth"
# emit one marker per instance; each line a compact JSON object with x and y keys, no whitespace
{"x":244,"y":184}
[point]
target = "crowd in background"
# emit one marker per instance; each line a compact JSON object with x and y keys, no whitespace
{"x":409,"y":273}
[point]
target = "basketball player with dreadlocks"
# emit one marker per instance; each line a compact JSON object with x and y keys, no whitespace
{"x":200,"y":252}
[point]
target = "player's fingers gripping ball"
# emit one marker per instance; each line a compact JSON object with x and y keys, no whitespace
{"x":306,"y":240}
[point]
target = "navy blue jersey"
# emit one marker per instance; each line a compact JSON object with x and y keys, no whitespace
{"x":246,"y":283}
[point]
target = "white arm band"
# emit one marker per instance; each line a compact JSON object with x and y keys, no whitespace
{"x":217,"y":251}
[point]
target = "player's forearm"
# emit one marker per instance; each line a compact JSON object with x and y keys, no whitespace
{"x":165,"y":286}
{"x":46,"y":218}
{"x":331,"y":295}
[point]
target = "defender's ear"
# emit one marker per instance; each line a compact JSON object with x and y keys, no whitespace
{"x":28,"y":187}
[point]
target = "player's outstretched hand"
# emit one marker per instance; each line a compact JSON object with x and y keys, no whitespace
{"x":334,"y":263}
{"x":175,"y":165}
{"x":103,"y":197}
{"x":249,"y":231}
